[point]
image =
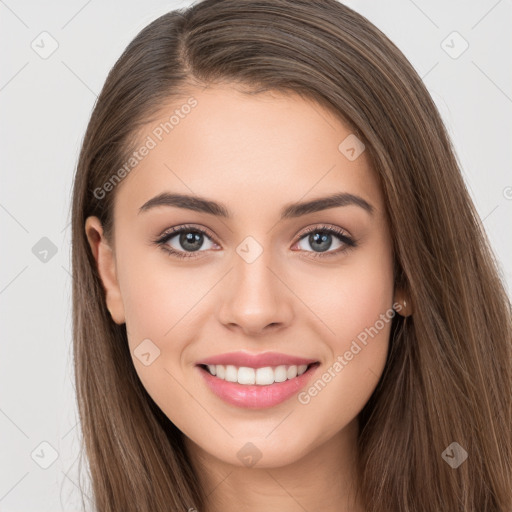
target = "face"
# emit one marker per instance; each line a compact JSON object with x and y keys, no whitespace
{"x":246,"y":276}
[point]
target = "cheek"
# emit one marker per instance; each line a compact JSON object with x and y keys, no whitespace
{"x":158,"y":302}
{"x":156,"y":294}
{"x":148,"y":297}
{"x":354,"y":302}
{"x":351,"y":296}
{"x":162,"y":302}
{"x":358,"y":308}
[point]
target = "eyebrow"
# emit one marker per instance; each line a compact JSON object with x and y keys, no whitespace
{"x":293,"y":210}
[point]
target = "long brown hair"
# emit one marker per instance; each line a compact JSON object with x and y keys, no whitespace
{"x":448,"y":377}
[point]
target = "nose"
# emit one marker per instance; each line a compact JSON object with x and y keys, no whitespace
{"x":255,"y":298}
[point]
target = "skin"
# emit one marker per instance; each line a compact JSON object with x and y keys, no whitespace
{"x":255,"y":154}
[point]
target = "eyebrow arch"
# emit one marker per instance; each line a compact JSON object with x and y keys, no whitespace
{"x":290,"y":211}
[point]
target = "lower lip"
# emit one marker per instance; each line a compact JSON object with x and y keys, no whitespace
{"x":256,"y":396}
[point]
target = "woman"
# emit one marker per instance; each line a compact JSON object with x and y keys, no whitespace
{"x":283,"y":297}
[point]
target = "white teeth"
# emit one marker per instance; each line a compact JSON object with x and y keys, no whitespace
{"x":220,"y":371}
{"x":280,"y":374}
{"x":246,"y":375}
{"x":292,"y":372}
{"x":300,"y":369}
{"x":261,"y":376}
{"x":264,"y":376}
{"x":231,"y":373}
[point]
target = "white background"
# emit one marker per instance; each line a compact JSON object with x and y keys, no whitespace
{"x":45,"y":105}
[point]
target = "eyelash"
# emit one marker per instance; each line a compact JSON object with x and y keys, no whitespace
{"x":350,"y":243}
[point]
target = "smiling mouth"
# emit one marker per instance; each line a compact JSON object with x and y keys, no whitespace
{"x":264,"y":376}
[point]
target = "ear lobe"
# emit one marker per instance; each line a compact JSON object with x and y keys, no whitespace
{"x":105,"y":262}
{"x":402,"y":304}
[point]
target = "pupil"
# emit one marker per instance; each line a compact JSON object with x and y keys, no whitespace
{"x":322,"y":242}
{"x":191,"y":241}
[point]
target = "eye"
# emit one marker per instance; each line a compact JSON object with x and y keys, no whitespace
{"x":321,"y":239}
{"x":183,"y":241}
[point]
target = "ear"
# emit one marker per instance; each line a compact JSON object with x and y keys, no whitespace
{"x":105,"y":261}
{"x":402,"y":302}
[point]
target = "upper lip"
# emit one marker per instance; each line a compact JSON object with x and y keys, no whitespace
{"x":255,"y":360}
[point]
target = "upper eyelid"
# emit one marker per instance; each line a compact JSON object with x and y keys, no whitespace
{"x":325,"y":227}
{"x":171,"y":232}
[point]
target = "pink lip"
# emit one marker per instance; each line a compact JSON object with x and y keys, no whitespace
{"x":256,"y":396}
{"x":256,"y":360}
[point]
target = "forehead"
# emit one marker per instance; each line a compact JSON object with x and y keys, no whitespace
{"x":252,"y":152}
